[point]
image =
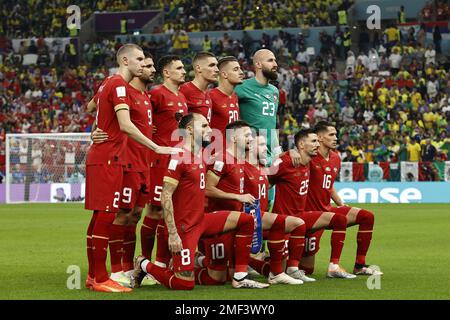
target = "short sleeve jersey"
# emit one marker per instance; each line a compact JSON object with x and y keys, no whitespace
{"x":292,"y":186}
{"x":189,"y":197}
{"x":256,"y":184}
{"x":197,"y":100}
{"x":138,"y":156}
{"x":225,"y":109}
{"x":322,"y":177}
{"x":113,"y":91}
{"x":168,"y":109}
{"x":231,"y":181}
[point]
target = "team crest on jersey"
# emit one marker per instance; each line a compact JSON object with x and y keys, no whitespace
{"x":306,"y":174}
{"x":327,"y":169}
{"x":199,"y":102}
{"x":267,"y":96}
{"x":121,"y":92}
{"x":137,"y":102}
{"x":261,"y":178}
{"x":317,"y":167}
{"x":335,"y":169}
{"x":232,"y":105}
{"x":224,"y":106}
{"x":180,"y":104}
{"x":173,"y":164}
{"x":275,"y":96}
{"x":218,"y":166}
{"x":170,"y":104}
{"x":201,"y":166}
{"x":146,"y":103}
{"x":207,"y":101}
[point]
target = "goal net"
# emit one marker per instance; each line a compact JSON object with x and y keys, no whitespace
{"x":46,"y":167}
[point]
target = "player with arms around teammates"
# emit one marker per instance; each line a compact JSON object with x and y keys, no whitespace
{"x":105,"y":162}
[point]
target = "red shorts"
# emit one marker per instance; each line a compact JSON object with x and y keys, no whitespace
{"x":160,"y":163}
{"x":310,"y":218}
{"x":312,"y":240}
{"x":103,"y":186}
{"x":212,"y":224}
{"x":135,"y":189}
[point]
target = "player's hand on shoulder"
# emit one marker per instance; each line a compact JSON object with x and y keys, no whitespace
{"x":246,"y":198}
{"x":168,"y":150}
{"x":295,"y":157}
{"x":99,"y":136}
{"x":175,"y":244}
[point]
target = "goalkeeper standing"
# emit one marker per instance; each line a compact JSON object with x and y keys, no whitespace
{"x":258,"y":105}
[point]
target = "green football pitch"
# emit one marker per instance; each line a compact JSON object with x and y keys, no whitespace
{"x":39,"y":242}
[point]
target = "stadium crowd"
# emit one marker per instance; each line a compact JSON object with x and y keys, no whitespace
{"x":206,"y":15}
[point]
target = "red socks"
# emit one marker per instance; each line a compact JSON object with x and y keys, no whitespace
{"x":365,"y":219}
{"x":275,"y":243}
{"x":116,"y":236}
{"x":168,"y":279}
{"x":148,"y":231}
{"x":100,"y":237}
{"x":163,"y":254}
{"x":261,"y":266}
{"x":129,"y":246}
{"x":242,"y":242}
{"x":202,"y":277}
{"x":89,"y":245}
{"x":296,"y":245}
{"x":339,"y":225}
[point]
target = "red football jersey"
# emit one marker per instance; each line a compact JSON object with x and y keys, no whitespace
{"x":291,"y":187}
{"x":231,"y":181}
{"x":138,"y":156}
{"x":225,"y":109}
{"x":197,"y":100}
{"x":189,"y":197}
{"x":113,"y":91}
{"x":168,"y":109}
{"x":256,"y":184}
{"x":323,"y":174}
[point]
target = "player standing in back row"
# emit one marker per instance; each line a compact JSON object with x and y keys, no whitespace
{"x":324,"y":170}
{"x":105,"y":162}
{"x":169,"y":106}
{"x":196,"y":91}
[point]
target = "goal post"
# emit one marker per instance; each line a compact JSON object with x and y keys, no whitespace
{"x":46,"y":167}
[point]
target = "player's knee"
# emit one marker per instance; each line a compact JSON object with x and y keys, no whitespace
{"x":338,"y":221}
{"x":293,"y":223}
{"x":279,"y":223}
{"x":155,"y":212}
{"x":136,"y":215}
{"x":365,"y":217}
{"x":182,"y":284}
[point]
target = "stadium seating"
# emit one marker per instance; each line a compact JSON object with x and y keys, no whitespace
{"x":379,"y":101}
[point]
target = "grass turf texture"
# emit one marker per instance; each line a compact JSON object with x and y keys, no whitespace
{"x":410,"y":244}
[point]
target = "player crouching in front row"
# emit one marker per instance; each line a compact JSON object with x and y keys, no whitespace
{"x":183,"y":199}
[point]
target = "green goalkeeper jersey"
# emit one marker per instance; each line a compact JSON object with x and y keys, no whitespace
{"x":258,"y":106}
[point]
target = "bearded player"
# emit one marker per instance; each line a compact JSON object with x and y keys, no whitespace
{"x":292,"y":189}
{"x":324,"y":170}
{"x":183,"y":199}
